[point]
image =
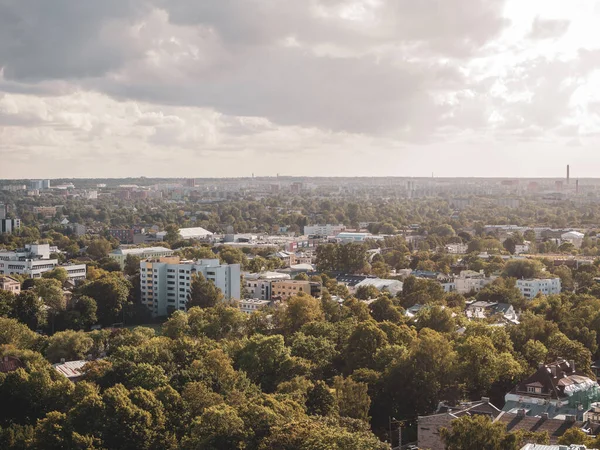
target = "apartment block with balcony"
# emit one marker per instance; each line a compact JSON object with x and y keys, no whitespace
{"x":165,"y":282}
{"x":534,"y":286}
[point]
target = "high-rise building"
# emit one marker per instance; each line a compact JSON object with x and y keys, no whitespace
{"x":36,"y":185}
{"x":7,"y":225}
{"x":165,"y":282}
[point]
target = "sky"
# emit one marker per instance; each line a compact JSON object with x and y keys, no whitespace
{"x":224,"y":88}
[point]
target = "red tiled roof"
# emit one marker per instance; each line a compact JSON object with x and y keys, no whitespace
{"x":9,"y":364}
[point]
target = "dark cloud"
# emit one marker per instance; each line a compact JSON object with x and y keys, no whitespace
{"x":548,"y":28}
{"x":58,"y":39}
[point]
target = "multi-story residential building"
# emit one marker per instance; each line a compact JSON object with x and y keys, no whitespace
{"x":258,"y":285}
{"x":9,"y":284}
{"x":573,"y":237}
{"x":121,"y":254}
{"x":457,"y":249}
{"x":251,"y":305}
{"x":323,"y":230}
{"x":521,"y":248}
{"x":78,"y":229}
{"x":285,"y":289}
{"x":36,"y":184}
{"x":123,"y":235}
{"x":34,"y":260}
{"x":470,"y":281}
{"x":165,"y":282}
{"x":45,"y":211}
{"x":7,"y":225}
{"x":534,"y":286}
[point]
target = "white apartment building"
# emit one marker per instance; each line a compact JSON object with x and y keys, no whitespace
{"x":470,"y":281}
{"x":251,"y":305}
{"x":457,"y":249}
{"x":573,"y":237}
{"x":521,"y":248}
{"x":545,"y":286}
{"x":165,"y":282}
{"x":120,"y":254}
{"x":323,"y":230}
{"x":34,"y":260}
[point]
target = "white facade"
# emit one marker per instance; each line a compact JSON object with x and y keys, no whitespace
{"x":165,"y":283}
{"x":259,"y":289}
{"x":323,"y":230}
{"x":9,"y":225}
{"x":34,"y":260}
{"x":573,"y":237}
{"x":194,"y":233}
{"x":466,"y":285}
{"x":355,"y":237}
{"x":251,"y":305}
{"x":448,"y":287}
{"x":457,"y":249}
{"x":391,"y":286}
{"x":545,"y":286}
{"x":521,"y":248}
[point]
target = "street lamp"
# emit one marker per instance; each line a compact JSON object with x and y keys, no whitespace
{"x":400,"y":423}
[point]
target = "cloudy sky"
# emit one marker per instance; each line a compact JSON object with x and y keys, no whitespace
{"x":118,"y":88}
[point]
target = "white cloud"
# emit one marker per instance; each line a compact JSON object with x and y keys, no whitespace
{"x":230,"y":87}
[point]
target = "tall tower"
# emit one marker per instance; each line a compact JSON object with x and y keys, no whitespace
{"x":568,"y":174}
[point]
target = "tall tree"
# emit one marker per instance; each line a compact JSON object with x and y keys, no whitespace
{"x":132,"y":265}
{"x":111,"y":293}
{"x":28,"y":308}
{"x":203,"y":293}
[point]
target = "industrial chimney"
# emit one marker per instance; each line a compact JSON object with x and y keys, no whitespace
{"x":568,"y":175}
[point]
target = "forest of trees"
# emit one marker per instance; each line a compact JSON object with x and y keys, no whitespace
{"x":319,"y":373}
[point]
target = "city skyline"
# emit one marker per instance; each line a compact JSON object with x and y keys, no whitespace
{"x":322,"y":88}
